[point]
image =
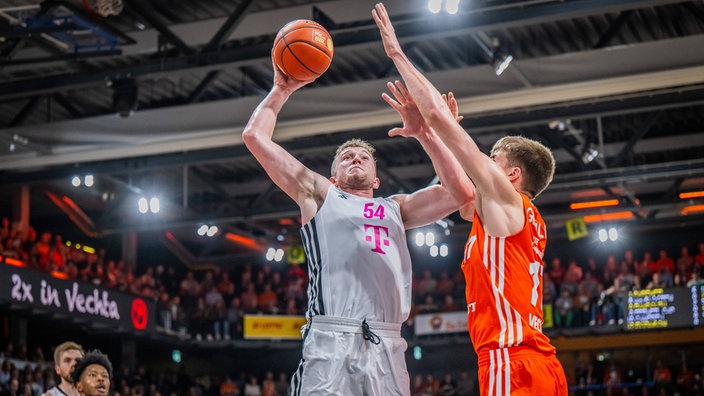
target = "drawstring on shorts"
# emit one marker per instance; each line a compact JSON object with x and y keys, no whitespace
{"x":368,"y":334}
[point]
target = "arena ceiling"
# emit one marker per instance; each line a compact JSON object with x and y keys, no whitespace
{"x":152,"y":101}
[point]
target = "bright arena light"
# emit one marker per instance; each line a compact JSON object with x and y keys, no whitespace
{"x":76,"y":181}
{"x":434,"y":6}
{"x":279,"y":255}
{"x":434,"y":251}
{"x":154,"y":205}
{"x":143,"y":205}
{"x":444,"y":250}
{"x":452,"y":6}
{"x":270,"y":253}
{"x":88,"y":180}
{"x":429,"y":238}
{"x":202,"y":230}
{"x":613,"y":234}
{"x":212,"y":231}
{"x":603,"y":235}
{"x":420,"y":239}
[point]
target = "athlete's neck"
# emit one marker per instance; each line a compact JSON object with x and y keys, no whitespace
{"x":68,"y":389}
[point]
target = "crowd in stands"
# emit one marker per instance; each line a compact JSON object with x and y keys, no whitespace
{"x":210,"y":304}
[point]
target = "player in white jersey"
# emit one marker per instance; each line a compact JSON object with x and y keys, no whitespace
{"x":358,"y":260}
{"x":65,"y":357}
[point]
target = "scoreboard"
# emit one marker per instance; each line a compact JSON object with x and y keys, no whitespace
{"x":665,"y":308}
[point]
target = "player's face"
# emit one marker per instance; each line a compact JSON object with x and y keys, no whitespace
{"x":500,"y":159}
{"x":95,"y":381}
{"x":67,"y":362}
{"x":355,"y":169}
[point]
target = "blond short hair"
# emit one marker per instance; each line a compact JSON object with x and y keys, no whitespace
{"x":535,"y":160}
{"x":66,"y":346}
{"x":351,"y":143}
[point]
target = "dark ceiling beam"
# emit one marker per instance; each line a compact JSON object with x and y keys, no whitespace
{"x":229,"y":26}
{"x":203,"y":86}
{"x":696,"y":11}
{"x":407,"y":30}
{"x":63,"y":102}
{"x":605,"y":107}
{"x":628,"y":147}
{"x":29,"y":108}
{"x":142,"y":8}
{"x":262,"y":83}
{"x":613,"y":29}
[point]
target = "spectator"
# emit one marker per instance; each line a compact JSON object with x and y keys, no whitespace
{"x":563,"y":309}
{"x":614,"y":302}
{"x":268,"y":300}
{"x":229,"y":387}
{"x":282,"y":384}
{"x":250,"y":299}
{"x":252,"y":387}
{"x":448,"y":387}
{"x":656,"y":282}
{"x":268,"y":385}
{"x":428,"y":284}
{"x":699,"y":258}
{"x":686,"y":382}
{"x":685,"y":266}
{"x":557,"y":272}
{"x":235,"y":317}
{"x":664,"y":261}
{"x":445,"y":284}
{"x":573,"y":276}
{"x":662,"y":377}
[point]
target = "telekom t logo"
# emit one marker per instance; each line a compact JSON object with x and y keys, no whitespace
{"x":376,"y":237}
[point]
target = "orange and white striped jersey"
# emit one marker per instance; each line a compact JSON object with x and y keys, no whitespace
{"x":504,"y":290}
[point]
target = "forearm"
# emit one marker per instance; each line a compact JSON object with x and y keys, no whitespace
{"x":448,"y":169}
{"x":261,"y":123}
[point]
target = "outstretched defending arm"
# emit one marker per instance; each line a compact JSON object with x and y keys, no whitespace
{"x":432,"y":203}
{"x":304,"y":186}
{"x":495,"y":193}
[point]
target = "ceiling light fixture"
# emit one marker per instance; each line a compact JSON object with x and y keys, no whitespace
{"x":594,"y":204}
{"x":692,"y":194}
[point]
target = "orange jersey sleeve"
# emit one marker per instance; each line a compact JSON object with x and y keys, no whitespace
{"x":504,"y":289}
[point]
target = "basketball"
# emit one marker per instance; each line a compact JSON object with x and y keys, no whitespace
{"x":303,"y":49}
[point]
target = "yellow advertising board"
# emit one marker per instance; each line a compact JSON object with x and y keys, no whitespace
{"x":273,"y":326}
{"x":576,"y":228}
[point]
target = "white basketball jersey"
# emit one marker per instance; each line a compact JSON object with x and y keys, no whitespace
{"x":358,"y":260}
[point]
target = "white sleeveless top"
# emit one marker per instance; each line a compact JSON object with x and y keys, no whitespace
{"x":359,"y":266}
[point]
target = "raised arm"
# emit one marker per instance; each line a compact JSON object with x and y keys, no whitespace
{"x":456,"y":190}
{"x":304,"y":186}
{"x":495,"y":194}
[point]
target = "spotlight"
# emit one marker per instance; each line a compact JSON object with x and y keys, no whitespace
{"x":212,"y":230}
{"x":452,"y":6}
{"x":154,"y":205}
{"x":76,"y":181}
{"x":501,"y":62}
{"x":202,"y":230}
{"x":279,"y":255}
{"x":143,"y":205}
{"x":270,"y":253}
{"x":590,"y":153}
{"x":420,"y":239}
{"x":434,"y":251}
{"x":88,"y":180}
{"x":429,"y":238}
{"x":444,"y":250}
{"x":434,"y":6}
{"x":603,"y":235}
{"x":613,"y":234}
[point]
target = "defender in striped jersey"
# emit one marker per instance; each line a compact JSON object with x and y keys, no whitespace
{"x":503,"y":264}
{"x":358,"y":261}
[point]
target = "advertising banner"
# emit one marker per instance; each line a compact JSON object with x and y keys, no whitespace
{"x":273,"y":327}
{"x":36,"y":289}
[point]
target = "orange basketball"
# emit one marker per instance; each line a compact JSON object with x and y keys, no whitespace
{"x":303,"y":49}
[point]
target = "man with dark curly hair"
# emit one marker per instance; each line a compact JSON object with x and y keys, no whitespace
{"x":93,"y":374}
